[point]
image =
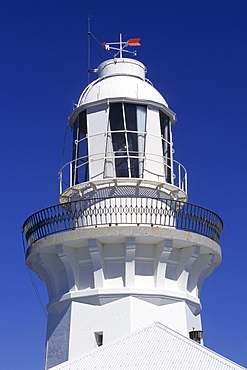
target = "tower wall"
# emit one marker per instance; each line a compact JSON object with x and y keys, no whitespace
{"x":115,"y":280}
{"x":77,"y":329}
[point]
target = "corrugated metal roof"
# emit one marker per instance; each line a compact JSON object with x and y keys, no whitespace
{"x":153,"y":347}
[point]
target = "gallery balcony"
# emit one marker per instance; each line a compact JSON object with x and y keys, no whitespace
{"x":114,"y":211}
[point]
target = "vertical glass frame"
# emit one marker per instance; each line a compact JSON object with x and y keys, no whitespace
{"x":165,"y":128}
{"x":125,"y":143}
{"x":80,"y":164}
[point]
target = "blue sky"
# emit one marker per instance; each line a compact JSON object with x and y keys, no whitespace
{"x":195,"y":53}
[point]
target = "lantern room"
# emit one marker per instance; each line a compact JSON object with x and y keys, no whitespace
{"x":122,"y":129}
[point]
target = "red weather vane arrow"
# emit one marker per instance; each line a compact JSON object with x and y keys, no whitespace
{"x":122,"y":46}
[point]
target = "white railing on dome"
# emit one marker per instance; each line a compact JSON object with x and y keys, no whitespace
{"x":178,"y":178}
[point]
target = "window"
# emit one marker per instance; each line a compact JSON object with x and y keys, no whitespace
{"x":125,"y":140}
{"x":80,"y":149}
{"x":99,"y":338}
{"x":166,"y":144}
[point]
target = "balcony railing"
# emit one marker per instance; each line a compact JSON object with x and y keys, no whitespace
{"x":174,"y":172}
{"x":122,"y":211}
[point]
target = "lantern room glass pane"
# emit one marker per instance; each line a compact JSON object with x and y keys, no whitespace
{"x":166,"y":144}
{"x":116,"y":117}
{"x":132,"y":138}
{"x":75,"y":136}
{"x":127,"y":143}
{"x":118,"y":139}
{"x":141,"y":113}
{"x":80,"y":150}
{"x":130,"y":116}
{"x":119,"y":148}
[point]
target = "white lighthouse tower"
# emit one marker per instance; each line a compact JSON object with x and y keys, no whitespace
{"x":124,"y":248}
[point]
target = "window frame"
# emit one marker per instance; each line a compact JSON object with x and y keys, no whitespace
{"x":133,"y":159}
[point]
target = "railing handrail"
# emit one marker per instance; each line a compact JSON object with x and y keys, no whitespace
{"x":122,"y":211}
{"x":107,"y":132}
{"x":174,"y":165}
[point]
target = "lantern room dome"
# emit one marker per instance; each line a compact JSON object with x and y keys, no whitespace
{"x":121,"y":78}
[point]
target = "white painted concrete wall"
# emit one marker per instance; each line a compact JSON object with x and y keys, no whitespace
{"x":118,"y":281}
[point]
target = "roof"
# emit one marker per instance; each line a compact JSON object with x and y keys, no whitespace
{"x":121,"y":78}
{"x":153,"y":347}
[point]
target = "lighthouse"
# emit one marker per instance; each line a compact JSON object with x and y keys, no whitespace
{"x":124,"y":248}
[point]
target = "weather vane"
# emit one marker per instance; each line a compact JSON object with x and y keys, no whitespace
{"x":121,"y":46}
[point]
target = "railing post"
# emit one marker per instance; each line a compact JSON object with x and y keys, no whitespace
{"x":70,"y":174}
{"x":185,"y":179}
{"x":179,"y":176}
{"x":60,"y":184}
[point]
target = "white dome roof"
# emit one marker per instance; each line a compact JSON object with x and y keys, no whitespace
{"x":121,"y":78}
